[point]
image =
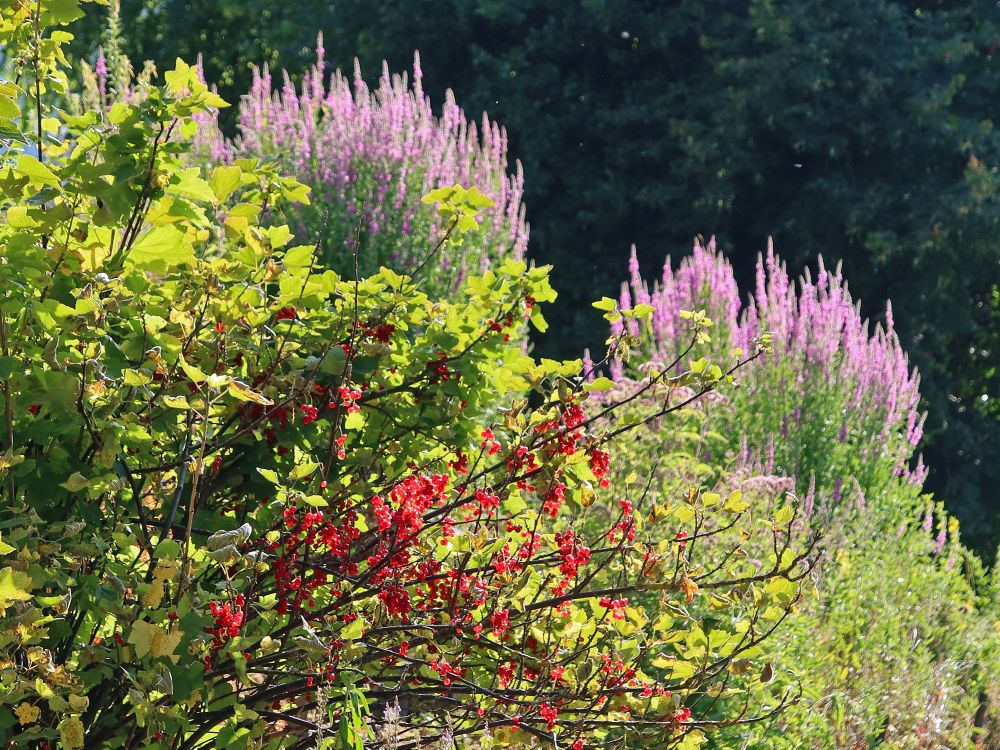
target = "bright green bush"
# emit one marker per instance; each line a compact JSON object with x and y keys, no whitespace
{"x":897,"y":648}
{"x":896,"y":644}
{"x":249,"y":503}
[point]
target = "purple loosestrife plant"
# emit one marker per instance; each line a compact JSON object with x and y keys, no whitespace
{"x":835,"y":406}
{"x":893,"y":623}
{"x":368,"y":156}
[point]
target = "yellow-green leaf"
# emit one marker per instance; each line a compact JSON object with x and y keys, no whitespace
{"x":304,"y":469}
{"x":153,"y":640}
{"x":9,"y":108}
{"x":218,"y":381}
{"x":195,"y":375}
{"x":180,"y":78}
{"x":162,"y":246}
{"x":76,"y":482}
{"x":15,"y":586}
{"x":736,"y":503}
{"x":9,"y":460}
{"x":189,"y":184}
{"x":600,"y":384}
{"x":353,"y":631}
{"x":708,"y":499}
{"x":35,"y":171}
{"x":244,"y":393}
{"x":137,"y":377}
{"x":224,"y":181}
{"x":60,"y":12}
{"x":269,"y":474}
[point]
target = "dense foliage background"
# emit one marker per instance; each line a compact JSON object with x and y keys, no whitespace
{"x":249,"y":502}
{"x":860,"y":130}
{"x":280,"y":468}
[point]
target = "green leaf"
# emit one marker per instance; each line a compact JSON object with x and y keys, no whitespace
{"x":300,"y":256}
{"x":244,"y":393}
{"x":304,"y":469}
{"x":736,"y":503}
{"x":526,"y":591}
{"x":180,"y":78}
{"x":236,"y":536}
{"x":514,"y":505}
{"x":442,"y":195}
{"x":76,"y":482}
{"x":211,"y":99}
{"x":162,"y":246}
{"x":784,"y":515}
{"x":9,"y":108}
{"x":60,"y":12}
{"x":189,"y":184}
{"x":684,"y":513}
{"x":353,"y":631}
{"x":218,"y":381}
{"x":295,"y":192}
{"x":477,"y":200}
{"x":224,"y":181}
{"x":118,"y":113}
{"x":642,"y":312}
{"x":333,"y":361}
{"x":269,"y":474}
{"x":708,"y":499}
{"x":681,"y":670}
{"x":781,"y":588}
{"x":168,"y":549}
{"x":605,"y":303}
{"x":9,"y":460}
{"x":10,"y":131}
{"x":195,"y":375}
{"x":56,"y":390}
{"x":175,"y":402}
{"x":15,"y":586}
{"x":8,"y":365}
{"x":153,"y":640}
{"x":600,"y":384}
{"x":35,"y":171}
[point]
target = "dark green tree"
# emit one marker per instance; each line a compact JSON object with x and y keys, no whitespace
{"x":231,"y":36}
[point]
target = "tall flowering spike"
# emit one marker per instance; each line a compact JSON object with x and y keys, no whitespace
{"x":418,"y":73}
{"x":369,"y":155}
{"x":210,"y":138}
{"x":836,"y":392}
{"x":320,"y":54}
{"x":588,"y":366}
{"x":101,"y":71}
{"x":704,"y":280}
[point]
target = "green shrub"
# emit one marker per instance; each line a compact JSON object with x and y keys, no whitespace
{"x":896,"y":643}
{"x":250,"y":503}
{"x":895,"y":649}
